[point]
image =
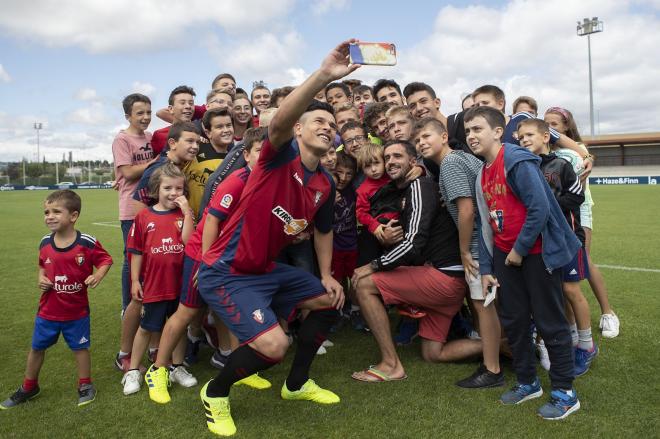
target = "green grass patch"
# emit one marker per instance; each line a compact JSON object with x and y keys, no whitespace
{"x":619,"y":395}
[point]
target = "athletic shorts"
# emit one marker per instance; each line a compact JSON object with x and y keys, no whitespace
{"x":250,"y":304}
{"x":577,"y":269}
{"x":586,"y":216}
{"x":436,"y":293}
{"x":155,"y":314}
{"x":46,"y":332}
{"x":474,"y":284}
{"x":343,"y":263}
{"x":189,"y":293}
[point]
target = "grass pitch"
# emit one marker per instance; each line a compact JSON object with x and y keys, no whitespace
{"x":619,"y":396}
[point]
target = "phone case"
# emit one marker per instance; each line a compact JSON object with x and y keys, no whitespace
{"x":377,"y":54}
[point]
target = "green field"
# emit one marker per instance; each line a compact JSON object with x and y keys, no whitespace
{"x":620,"y":395}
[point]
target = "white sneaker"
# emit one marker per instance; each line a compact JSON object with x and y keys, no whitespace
{"x":180,"y":375}
{"x":321,"y":351}
{"x":544,"y":358}
{"x":327,"y":344}
{"x":131,"y":381}
{"x":609,"y":324}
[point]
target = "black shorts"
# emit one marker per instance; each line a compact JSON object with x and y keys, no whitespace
{"x":154,"y":314}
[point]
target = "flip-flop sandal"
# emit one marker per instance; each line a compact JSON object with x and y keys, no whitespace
{"x":373,"y":375}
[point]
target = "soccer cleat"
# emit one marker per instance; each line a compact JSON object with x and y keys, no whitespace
{"x":407,"y":332}
{"x":19,"y":397}
{"x":310,"y":391}
{"x":158,"y":380}
{"x":520,"y":393}
{"x":562,"y":403}
{"x":321,"y":350}
{"x":544,"y":357}
{"x":482,"y":378}
{"x":86,"y":394}
{"x":180,"y":375}
{"x":218,"y":360}
{"x":609,"y":325}
{"x":254,"y":381}
{"x":218,"y":414}
{"x":131,"y":381}
{"x":583,"y":359}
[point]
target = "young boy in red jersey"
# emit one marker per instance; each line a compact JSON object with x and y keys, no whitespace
{"x":156,"y":243}
{"x":222,"y":203}
{"x":524,"y":241}
{"x":66,"y":268}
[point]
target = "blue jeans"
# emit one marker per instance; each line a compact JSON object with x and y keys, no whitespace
{"x":125,"y":269}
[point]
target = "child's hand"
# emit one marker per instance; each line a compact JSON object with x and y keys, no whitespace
{"x":92,"y":281}
{"x":337,"y":197}
{"x":45,"y":284}
{"x":471,"y":268}
{"x":136,"y":290}
{"x":513,"y":258}
{"x":182,"y":202}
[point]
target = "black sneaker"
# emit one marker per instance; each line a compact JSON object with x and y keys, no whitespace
{"x":192,"y":352}
{"x":481,"y":379}
{"x":19,"y":397}
{"x":218,"y":360}
{"x":86,"y":394}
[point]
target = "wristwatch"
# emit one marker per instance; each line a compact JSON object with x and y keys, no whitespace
{"x":374,"y":265}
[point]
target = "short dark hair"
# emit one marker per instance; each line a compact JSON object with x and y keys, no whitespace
{"x":373,"y":110}
{"x":382,"y":83}
{"x":258,"y":87}
{"x":431,"y":122}
{"x":358,"y":90}
{"x":492,"y":90}
{"x":222,"y":76}
{"x":182,"y":89}
{"x":277,"y":93}
{"x":493,"y":117}
{"x":169,"y":169}
{"x":352,"y":83}
{"x":129,"y":100}
{"x":68,"y":198}
{"x":345,"y":88}
{"x":352,"y":125}
{"x":415,"y":87}
{"x":410,"y":148}
{"x":541,"y":125}
{"x":346,"y":161}
{"x":215,"y":112}
{"x":525,"y":100}
{"x":318,"y":105}
{"x":178,"y":128}
{"x":253,"y":135}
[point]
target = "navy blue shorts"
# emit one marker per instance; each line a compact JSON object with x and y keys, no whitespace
{"x":155,"y":314}
{"x":189,"y":292}
{"x":75,"y":332}
{"x":249,"y":304}
{"x":577,"y":269}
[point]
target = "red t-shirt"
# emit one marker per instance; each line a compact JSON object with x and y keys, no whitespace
{"x":68,"y":268}
{"x":280,"y":200}
{"x":156,"y":235}
{"x":159,"y":140}
{"x":223,"y":202}
{"x":507,"y":212}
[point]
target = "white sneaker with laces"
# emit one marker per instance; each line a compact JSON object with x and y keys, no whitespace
{"x":180,"y":375}
{"x":131,"y":381}
{"x":321,"y":351}
{"x":609,"y":325}
{"x":327,"y":344}
{"x":544,"y":358}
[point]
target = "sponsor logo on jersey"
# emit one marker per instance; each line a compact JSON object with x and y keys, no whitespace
{"x":292,"y":226}
{"x":179,"y":223}
{"x":47,"y":261}
{"x":317,"y":197}
{"x":80,"y":259}
{"x":201,"y":155}
{"x":258,"y":316}
{"x":168,"y":246}
{"x":226,"y":201}
{"x":298,"y":179}
{"x":62,"y":285}
{"x":151,"y":227}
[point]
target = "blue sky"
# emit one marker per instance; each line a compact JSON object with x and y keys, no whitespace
{"x":68,"y":64}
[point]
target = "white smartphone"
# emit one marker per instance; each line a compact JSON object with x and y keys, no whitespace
{"x":490,"y":297}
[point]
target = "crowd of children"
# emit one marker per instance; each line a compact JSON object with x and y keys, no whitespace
{"x":515,"y":187}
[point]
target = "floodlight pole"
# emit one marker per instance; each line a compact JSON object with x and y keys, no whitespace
{"x":38,"y":126}
{"x":588,"y":27}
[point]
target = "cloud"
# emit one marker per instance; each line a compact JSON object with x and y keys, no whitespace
{"x":322,"y":7}
{"x":86,"y":94}
{"x":142,"y":87}
{"x":94,"y":114}
{"x":4,"y":76}
{"x":145,"y":25}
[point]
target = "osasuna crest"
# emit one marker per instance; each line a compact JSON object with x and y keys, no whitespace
{"x":317,"y":197}
{"x":258,"y":316}
{"x":226,"y":201}
{"x":80,"y":259}
{"x":179,"y":223}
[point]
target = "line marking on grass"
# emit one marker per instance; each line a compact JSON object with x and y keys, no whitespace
{"x":621,"y":267}
{"x":108,"y":224}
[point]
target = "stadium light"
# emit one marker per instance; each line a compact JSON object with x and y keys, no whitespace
{"x":38,"y":126}
{"x":587,"y":27}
